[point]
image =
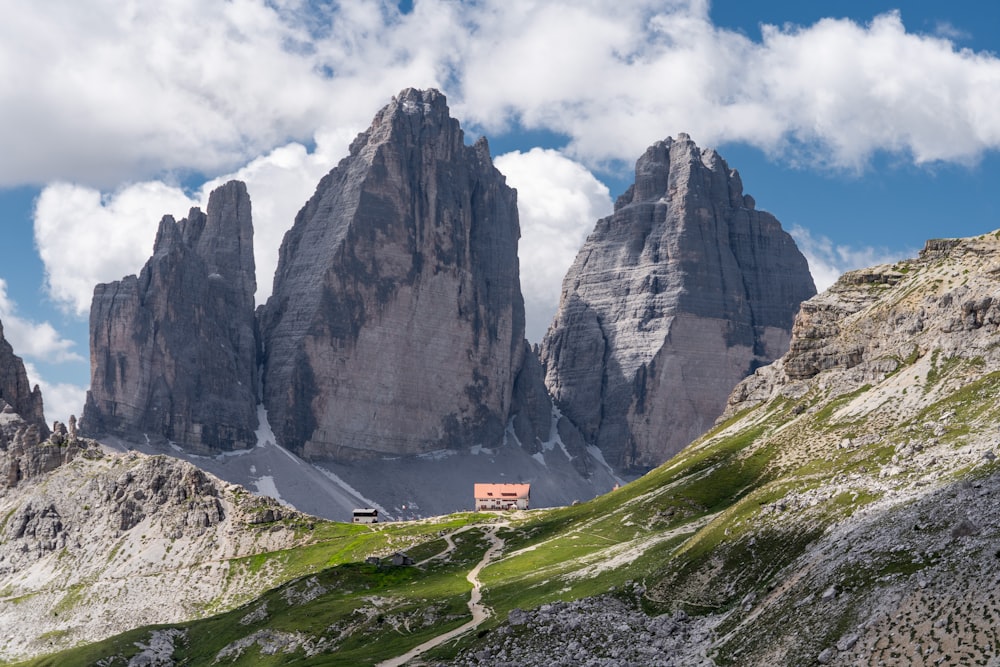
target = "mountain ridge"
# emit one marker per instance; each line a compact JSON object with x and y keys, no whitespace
{"x":844,"y":513}
{"x":678,"y":295}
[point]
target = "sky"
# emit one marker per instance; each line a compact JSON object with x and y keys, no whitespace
{"x":865,"y":127}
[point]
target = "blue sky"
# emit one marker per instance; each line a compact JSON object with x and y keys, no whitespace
{"x":865,"y":127}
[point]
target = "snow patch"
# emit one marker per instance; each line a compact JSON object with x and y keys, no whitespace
{"x":540,"y":457}
{"x":266,"y":487}
{"x":437,"y":455}
{"x":351,"y":490}
{"x":265,"y":436}
{"x":554,"y":438}
{"x":235,"y":452}
{"x":476,"y":450}
{"x":598,"y":456}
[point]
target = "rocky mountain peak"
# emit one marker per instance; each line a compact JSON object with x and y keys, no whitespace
{"x":174,"y":349}
{"x":681,"y":292}
{"x":411,"y":339}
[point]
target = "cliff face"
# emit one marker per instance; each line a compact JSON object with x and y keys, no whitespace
{"x":173,"y":351}
{"x":396,"y":324}
{"x":679,"y":294}
{"x":15,"y":390}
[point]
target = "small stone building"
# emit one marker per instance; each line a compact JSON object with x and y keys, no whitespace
{"x":400,"y":558}
{"x":502,"y":496}
{"x":365,"y":515}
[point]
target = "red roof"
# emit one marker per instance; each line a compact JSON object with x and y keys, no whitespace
{"x":513,"y":491}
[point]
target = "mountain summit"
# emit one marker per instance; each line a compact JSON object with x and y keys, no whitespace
{"x":396,"y":323}
{"x":678,"y":295}
{"x":173,"y":351}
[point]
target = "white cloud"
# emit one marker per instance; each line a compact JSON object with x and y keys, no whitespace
{"x":279,"y":184}
{"x":98,"y":93}
{"x":85,"y":238}
{"x":41,"y":341}
{"x":828,"y":260}
{"x":558,"y":203}
{"x":33,"y":339}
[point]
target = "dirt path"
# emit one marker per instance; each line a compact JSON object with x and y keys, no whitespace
{"x":479,"y":611}
{"x":450,"y":545}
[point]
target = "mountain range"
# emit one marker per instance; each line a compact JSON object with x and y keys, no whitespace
{"x":392,"y":348}
{"x":842,"y":511}
{"x":815,"y":476}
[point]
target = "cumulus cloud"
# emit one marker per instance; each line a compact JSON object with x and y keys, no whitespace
{"x":60,"y":399}
{"x":96,"y":94}
{"x":85,"y":238}
{"x":99,"y":92}
{"x":279,"y":184}
{"x":33,"y":339}
{"x":41,"y":341}
{"x":558,"y":202}
{"x":829,"y":260}
{"x":834,"y":93}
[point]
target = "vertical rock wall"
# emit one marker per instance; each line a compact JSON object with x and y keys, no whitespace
{"x":678,"y":295}
{"x":396,"y":323}
{"x":15,"y":390}
{"x":173,"y":351}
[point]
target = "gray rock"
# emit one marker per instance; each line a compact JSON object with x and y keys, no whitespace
{"x":964,"y":528}
{"x":674,"y":298}
{"x":25,"y":455}
{"x":173,"y":351}
{"x":847,"y":642}
{"x":826,"y":656}
{"x":396,"y":323}
{"x":15,"y":390}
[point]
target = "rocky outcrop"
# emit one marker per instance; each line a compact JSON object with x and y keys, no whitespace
{"x":679,"y":294}
{"x":107,"y":542}
{"x":173,"y":351}
{"x":941,"y":305}
{"x":15,"y":390}
{"x":25,"y":455}
{"x":396,"y":323}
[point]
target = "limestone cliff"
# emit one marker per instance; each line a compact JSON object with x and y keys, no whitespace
{"x":679,"y":294}
{"x":173,"y":351}
{"x":396,"y":323}
{"x":930,"y":313}
{"x":15,"y":390}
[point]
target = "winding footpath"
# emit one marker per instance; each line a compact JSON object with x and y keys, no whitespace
{"x":480,"y":612}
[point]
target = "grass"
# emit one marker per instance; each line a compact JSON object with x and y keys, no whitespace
{"x":702,"y":532}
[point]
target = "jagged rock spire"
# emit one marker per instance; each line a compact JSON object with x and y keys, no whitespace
{"x":173,"y":351}
{"x":15,"y":390}
{"x":396,"y":323}
{"x":679,"y":294}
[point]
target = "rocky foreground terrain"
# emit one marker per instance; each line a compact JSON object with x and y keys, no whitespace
{"x":844,"y":511}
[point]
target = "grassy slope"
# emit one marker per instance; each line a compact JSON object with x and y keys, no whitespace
{"x":727,"y":521}
{"x":695,"y":532}
{"x":661,"y":529}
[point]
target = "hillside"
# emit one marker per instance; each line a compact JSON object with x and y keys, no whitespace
{"x":845,"y":510}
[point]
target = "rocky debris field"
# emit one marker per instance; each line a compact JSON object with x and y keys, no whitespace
{"x":603,"y":631}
